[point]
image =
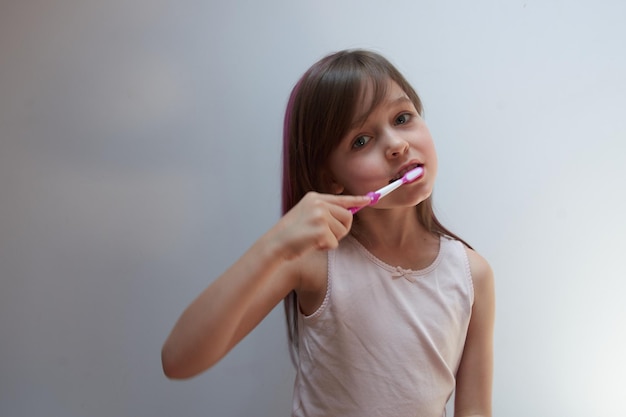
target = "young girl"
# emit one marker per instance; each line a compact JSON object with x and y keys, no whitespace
{"x":388,"y":311}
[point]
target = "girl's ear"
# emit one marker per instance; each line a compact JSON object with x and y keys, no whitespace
{"x":330,"y":184}
{"x":336,"y":188}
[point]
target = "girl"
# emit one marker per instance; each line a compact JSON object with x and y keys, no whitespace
{"x":388,"y":311}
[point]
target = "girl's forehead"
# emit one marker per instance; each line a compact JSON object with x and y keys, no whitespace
{"x":376,"y":95}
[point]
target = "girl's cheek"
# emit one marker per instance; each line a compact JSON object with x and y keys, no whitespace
{"x":367,"y":180}
{"x":361,"y":174}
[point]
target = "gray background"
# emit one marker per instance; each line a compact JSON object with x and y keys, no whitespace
{"x":139,"y":157}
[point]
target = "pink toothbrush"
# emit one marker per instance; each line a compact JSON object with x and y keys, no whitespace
{"x":374,"y":196}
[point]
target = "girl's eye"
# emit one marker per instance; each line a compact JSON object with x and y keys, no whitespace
{"x":361,"y":141}
{"x":403,"y":118}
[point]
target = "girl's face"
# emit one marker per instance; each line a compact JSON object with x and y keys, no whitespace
{"x":392,"y":140}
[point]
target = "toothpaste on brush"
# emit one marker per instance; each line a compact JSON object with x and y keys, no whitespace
{"x":407,"y":178}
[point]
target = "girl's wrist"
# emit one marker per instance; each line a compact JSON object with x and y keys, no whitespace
{"x":274,"y":245}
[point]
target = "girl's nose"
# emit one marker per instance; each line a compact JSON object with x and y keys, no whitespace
{"x":396,"y":146}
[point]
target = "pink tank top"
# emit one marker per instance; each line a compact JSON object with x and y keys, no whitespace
{"x":386,"y":341}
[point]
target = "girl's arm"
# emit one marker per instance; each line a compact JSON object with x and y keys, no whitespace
{"x":242,"y":296}
{"x":475,"y":374}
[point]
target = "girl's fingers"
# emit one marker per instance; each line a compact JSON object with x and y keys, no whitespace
{"x":339,"y":224}
{"x":347,"y":201}
{"x":329,"y":241}
{"x":342,"y":216}
{"x":345,"y":205}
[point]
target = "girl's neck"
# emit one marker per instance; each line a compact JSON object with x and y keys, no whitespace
{"x":396,"y":237}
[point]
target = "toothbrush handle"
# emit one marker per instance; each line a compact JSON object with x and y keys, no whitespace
{"x":377,"y":195}
{"x":374,"y":196}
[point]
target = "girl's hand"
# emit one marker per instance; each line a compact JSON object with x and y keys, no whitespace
{"x":318,"y":221}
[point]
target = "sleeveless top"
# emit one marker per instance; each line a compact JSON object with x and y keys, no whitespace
{"x":386,"y":341}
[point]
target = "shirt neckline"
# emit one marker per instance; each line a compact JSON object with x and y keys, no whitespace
{"x":398,"y":269}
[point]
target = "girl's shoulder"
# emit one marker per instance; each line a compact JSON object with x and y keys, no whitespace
{"x":482,"y":274}
{"x":478,"y":264}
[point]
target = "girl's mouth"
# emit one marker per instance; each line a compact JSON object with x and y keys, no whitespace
{"x":404,"y":171}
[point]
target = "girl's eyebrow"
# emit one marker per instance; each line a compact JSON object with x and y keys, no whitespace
{"x":402,"y":99}
{"x":359,"y":121}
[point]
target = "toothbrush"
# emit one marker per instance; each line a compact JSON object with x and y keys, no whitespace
{"x":407,"y":178}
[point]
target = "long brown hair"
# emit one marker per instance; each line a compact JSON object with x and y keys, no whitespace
{"x":321,"y":108}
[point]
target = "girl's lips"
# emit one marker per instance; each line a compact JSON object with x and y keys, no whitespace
{"x":404,"y":170}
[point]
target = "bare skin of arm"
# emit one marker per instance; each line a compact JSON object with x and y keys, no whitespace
{"x":236,"y":302}
{"x":474,"y":377}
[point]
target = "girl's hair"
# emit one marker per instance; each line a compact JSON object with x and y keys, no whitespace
{"x":321,"y":108}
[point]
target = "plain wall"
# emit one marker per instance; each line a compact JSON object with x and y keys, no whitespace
{"x":140,"y":156}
